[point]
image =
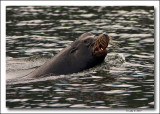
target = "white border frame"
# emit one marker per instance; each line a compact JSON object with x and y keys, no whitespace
{"x":76,"y":3}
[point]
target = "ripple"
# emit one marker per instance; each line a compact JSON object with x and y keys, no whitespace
{"x":120,"y":86}
{"x":23,"y":88}
{"x":144,"y":107}
{"x":79,"y":106}
{"x":151,"y":103}
{"x":135,"y":35}
{"x":71,"y":99}
{"x":37,"y":90}
{"x":57,"y":105}
{"x":87,"y":15}
{"x":98,"y":102}
{"x":102,"y":107}
{"x":113,"y":92}
{"x":148,"y":40}
{"x":17,"y":100}
{"x":141,"y":99}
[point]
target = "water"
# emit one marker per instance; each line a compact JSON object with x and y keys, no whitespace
{"x":124,"y":80}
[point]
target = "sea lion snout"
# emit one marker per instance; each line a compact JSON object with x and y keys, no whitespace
{"x":107,"y":38}
{"x":105,"y":35}
{"x":101,"y":44}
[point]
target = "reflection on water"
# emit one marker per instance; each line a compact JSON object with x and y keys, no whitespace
{"x":124,"y":80}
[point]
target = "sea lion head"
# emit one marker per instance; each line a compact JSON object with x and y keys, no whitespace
{"x":90,"y":49}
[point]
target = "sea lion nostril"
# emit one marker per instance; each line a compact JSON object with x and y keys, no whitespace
{"x":106,"y":35}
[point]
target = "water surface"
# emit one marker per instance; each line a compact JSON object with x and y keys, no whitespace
{"x":124,"y":80}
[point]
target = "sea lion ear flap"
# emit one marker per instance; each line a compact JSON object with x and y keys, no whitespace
{"x":85,"y":35}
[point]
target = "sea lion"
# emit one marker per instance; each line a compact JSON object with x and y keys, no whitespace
{"x":85,"y":52}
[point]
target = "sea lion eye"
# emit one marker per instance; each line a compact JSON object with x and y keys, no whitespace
{"x":87,"y":41}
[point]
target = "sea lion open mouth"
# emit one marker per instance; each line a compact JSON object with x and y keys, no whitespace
{"x":100,"y":46}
